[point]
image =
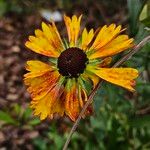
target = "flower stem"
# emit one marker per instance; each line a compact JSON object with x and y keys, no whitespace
{"x":93,"y":92}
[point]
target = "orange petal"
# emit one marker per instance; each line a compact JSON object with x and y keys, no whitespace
{"x":105,"y":62}
{"x":82,"y":95}
{"x":73,"y":28}
{"x":123,"y":77}
{"x":82,"y":99}
{"x":46,"y":42}
{"x":72,"y":103}
{"x":43,"y":85}
{"x":86,"y":38}
{"x":75,"y":98}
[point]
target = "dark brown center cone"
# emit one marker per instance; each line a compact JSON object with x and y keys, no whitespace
{"x":72,"y":62}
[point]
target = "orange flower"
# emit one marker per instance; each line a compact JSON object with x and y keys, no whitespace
{"x":76,"y":66}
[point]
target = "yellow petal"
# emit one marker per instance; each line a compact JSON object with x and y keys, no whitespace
{"x":123,"y":77}
{"x":38,"y":33}
{"x":46,"y":42}
{"x":37,"y":68}
{"x":49,"y":104}
{"x":52,"y":34}
{"x":73,"y":28}
{"x":94,"y":78}
{"x":105,"y":35}
{"x":117,"y":45}
{"x":42,"y":83}
{"x":44,"y":88}
{"x":86,"y":38}
{"x":90,"y":67}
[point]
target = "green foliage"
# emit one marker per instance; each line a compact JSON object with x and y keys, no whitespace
{"x":140,"y":121}
{"x":135,"y":7}
{"x":5,"y":117}
{"x":145,"y":14}
{"x":3,"y":7}
{"x":18,"y":7}
{"x":114,"y":125}
{"x":18,"y":116}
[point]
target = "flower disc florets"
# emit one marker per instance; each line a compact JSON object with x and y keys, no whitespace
{"x":72,"y":62}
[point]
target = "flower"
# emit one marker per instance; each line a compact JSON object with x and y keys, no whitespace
{"x":75,"y":67}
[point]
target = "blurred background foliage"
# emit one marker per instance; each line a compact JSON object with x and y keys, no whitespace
{"x":121,"y":120}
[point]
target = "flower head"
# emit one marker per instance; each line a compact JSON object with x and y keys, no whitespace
{"x":76,"y":66}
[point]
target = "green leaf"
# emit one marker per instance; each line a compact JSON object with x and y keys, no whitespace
{"x":144,"y":13}
{"x":135,"y":7}
{"x":6,"y":118}
{"x":34,"y":122}
{"x":27,"y":113}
